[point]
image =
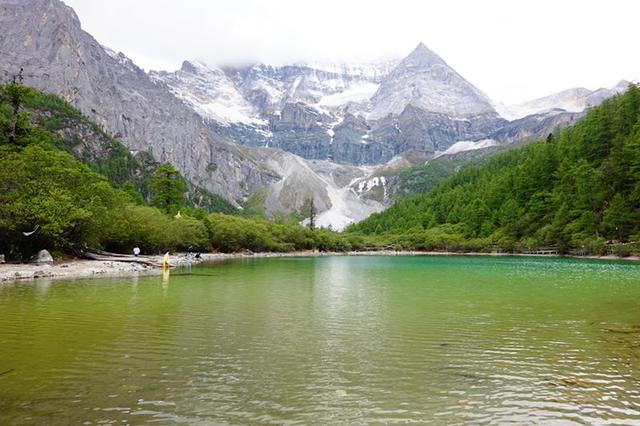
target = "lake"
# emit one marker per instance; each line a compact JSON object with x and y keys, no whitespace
{"x":328,"y":340}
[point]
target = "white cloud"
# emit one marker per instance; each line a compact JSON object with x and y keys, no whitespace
{"x":512,"y":50}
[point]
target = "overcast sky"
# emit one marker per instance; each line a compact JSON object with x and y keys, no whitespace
{"x":511,"y":50}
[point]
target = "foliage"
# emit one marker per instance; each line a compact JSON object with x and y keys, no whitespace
{"x":46,"y":188}
{"x":232,"y":234}
{"x":424,"y":177}
{"x":200,"y":198}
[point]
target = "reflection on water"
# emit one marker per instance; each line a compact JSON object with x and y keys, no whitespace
{"x":165,"y":278}
{"x":329,"y":340}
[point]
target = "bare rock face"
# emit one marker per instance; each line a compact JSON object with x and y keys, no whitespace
{"x":44,"y":38}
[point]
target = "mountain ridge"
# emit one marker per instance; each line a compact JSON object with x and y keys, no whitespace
{"x":363,"y":120}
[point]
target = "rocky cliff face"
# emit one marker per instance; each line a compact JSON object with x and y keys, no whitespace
{"x":44,"y":37}
{"x":534,"y":127}
{"x":210,"y":93}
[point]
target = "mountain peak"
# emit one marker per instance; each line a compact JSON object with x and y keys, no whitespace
{"x":187,"y":66}
{"x":421,"y":47}
{"x":425,"y":81}
{"x":422,"y":56}
{"x":196,"y":66}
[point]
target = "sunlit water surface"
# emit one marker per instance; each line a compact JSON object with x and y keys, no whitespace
{"x":329,"y":340}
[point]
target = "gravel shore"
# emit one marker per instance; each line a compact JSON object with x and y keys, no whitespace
{"x":101,"y":268}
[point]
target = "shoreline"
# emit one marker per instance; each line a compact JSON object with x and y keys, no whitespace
{"x":80,"y":268}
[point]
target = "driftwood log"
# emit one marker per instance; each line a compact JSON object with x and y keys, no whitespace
{"x":117,"y":257}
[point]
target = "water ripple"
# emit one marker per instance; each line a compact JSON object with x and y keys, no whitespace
{"x":330,"y":341}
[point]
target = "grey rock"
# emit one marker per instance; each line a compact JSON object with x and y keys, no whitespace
{"x":43,"y":258}
{"x":354,"y":143}
{"x":42,"y":274}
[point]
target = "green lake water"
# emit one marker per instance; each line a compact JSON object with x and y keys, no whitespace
{"x":328,"y":340}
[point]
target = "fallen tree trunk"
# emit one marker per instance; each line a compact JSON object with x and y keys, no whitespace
{"x":115,"y":257}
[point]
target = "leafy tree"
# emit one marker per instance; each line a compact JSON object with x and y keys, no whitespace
{"x":15,"y":126}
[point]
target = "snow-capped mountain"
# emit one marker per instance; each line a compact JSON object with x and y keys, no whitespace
{"x":364,"y":113}
{"x":238,"y":95}
{"x":320,"y":85}
{"x":306,"y":109}
{"x":571,"y":100}
{"x":349,"y":113}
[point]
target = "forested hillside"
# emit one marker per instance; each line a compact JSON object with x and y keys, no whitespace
{"x":50,"y":199}
{"x":74,"y":133}
{"x":579,"y":189}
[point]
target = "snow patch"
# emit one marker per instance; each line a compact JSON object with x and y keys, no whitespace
{"x":466,"y":146}
{"x":368,"y":184}
{"x":373,"y":71}
{"x":211,"y":94}
{"x":346,"y":208}
{"x":357,"y":93}
{"x":332,"y":132}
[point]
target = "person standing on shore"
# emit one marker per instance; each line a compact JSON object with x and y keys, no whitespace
{"x":165,"y":263}
{"x":136,"y":251}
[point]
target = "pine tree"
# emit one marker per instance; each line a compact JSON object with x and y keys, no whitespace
{"x":168,"y":188}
